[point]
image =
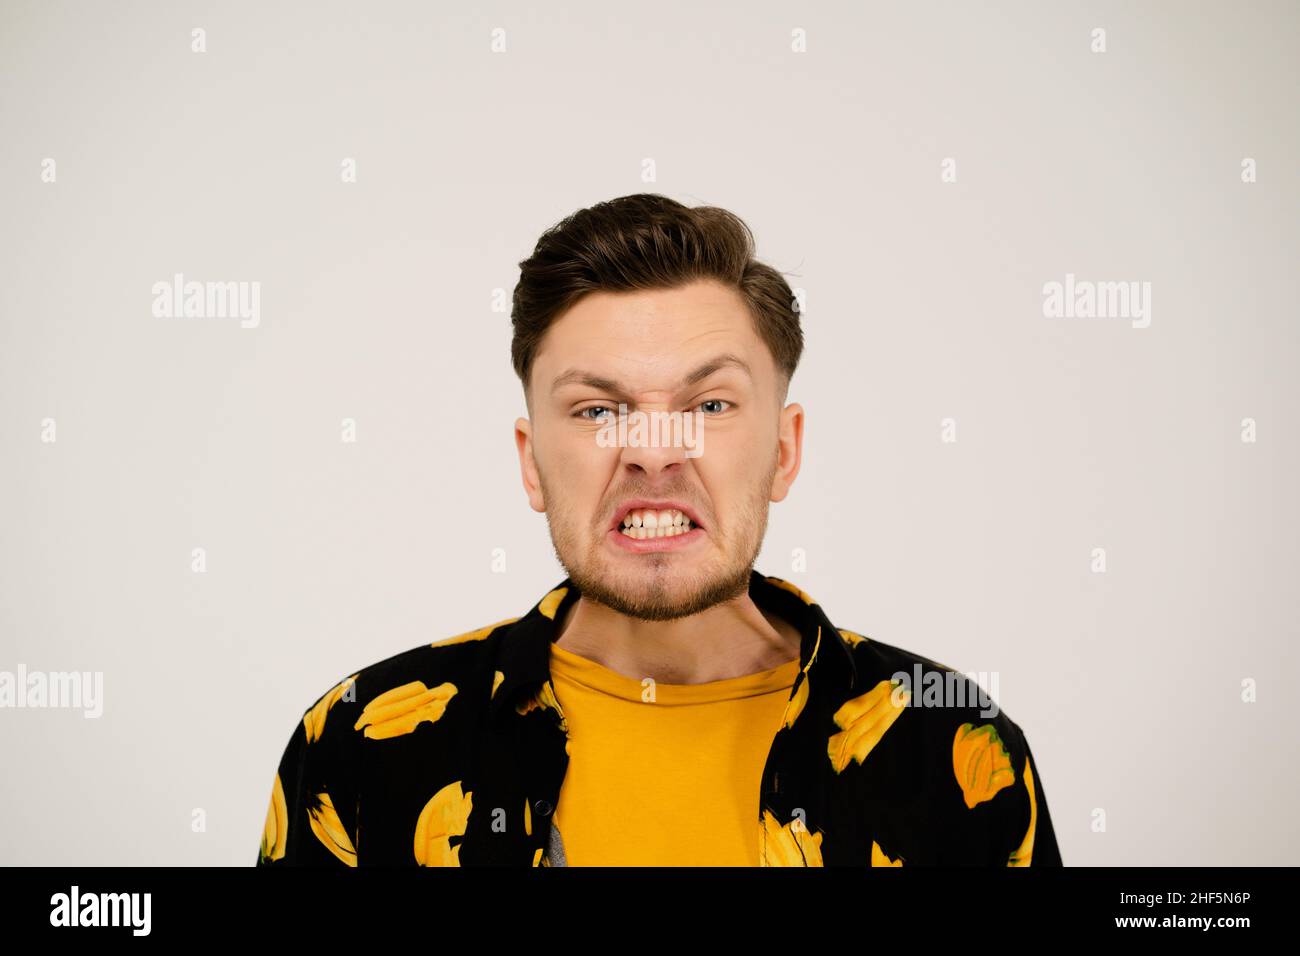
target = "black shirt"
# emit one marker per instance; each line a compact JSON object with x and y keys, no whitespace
{"x":453,"y":753}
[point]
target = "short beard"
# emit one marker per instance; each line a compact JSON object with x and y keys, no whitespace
{"x":659,"y":602}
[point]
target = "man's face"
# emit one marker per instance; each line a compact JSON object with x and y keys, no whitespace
{"x":643,"y":348}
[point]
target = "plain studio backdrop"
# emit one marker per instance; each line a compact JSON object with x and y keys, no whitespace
{"x":920,"y":171}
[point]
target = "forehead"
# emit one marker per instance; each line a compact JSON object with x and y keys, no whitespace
{"x":650,"y":339}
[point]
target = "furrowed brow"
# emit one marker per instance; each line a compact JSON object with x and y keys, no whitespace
{"x":578,"y":377}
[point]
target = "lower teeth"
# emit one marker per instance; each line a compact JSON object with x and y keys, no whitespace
{"x":642,"y":534}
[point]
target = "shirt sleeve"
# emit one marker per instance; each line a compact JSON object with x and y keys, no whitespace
{"x":313,"y":815}
{"x":1033,"y":836}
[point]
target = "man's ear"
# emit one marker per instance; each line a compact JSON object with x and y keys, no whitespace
{"x":789,"y":450}
{"x":528,"y":464}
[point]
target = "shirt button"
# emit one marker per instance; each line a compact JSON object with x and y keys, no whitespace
{"x":542,"y":808}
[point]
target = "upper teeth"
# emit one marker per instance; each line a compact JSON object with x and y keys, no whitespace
{"x":648,"y":523}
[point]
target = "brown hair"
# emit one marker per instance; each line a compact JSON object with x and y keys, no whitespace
{"x":648,"y":241}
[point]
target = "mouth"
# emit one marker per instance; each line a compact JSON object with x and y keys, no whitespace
{"x":644,"y":519}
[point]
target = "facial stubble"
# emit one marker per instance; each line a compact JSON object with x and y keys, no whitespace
{"x":653,"y":595}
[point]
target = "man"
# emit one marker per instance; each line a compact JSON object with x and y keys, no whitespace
{"x":665,"y":704}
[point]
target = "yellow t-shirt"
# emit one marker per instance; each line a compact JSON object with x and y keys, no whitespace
{"x":669,"y":782}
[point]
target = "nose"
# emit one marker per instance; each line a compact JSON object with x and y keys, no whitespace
{"x":656,"y":445}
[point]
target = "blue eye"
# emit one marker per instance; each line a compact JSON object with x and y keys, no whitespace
{"x":582,"y":413}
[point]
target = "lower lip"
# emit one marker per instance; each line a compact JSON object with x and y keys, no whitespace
{"x":648,"y":545}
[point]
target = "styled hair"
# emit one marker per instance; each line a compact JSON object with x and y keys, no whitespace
{"x":648,"y":241}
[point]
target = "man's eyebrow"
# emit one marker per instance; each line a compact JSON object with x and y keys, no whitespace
{"x":578,"y":377}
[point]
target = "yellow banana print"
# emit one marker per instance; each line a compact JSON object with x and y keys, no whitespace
{"x":792,"y":589}
{"x":817,"y":646}
{"x":981,"y":763}
{"x":878,"y":857}
{"x":1025,"y":852}
{"x":852,"y":637}
{"x":277,"y":824}
{"x":800,"y":698}
{"x":544,"y":699}
{"x":789,"y":845}
{"x":795,"y":707}
{"x":314,"y":719}
{"x":864,"y":720}
{"x":446,"y":815}
{"x":476,"y":635}
{"x":497,"y":678}
{"x":551,"y":603}
{"x":400,"y":710}
{"x":327,"y":826}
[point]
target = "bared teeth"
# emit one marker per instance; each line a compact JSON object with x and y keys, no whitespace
{"x":649,"y":523}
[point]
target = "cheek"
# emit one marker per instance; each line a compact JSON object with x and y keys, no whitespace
{"x":739,"y":497}
{"x":579,"y":485}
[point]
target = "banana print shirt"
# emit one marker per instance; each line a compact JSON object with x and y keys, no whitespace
{"x":454,"y":754}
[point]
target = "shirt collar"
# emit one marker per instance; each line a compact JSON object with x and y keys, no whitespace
{"x":524,"y":654}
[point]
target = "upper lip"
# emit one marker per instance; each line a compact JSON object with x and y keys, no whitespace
{"x":632,"y":504}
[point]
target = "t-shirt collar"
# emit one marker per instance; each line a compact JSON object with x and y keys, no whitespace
{"x":523,"y":658}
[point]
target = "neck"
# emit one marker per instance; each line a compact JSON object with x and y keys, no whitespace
{"x":731,"y":639}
